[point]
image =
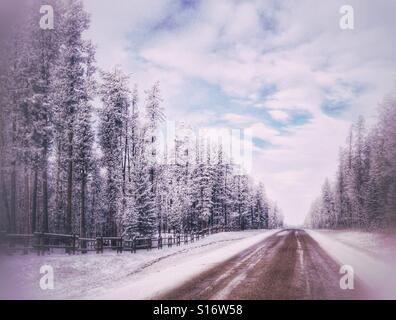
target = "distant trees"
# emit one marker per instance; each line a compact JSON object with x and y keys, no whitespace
{"x":275,"y":217}
{"x":67,"y":167}
{"x":197,"y":188}
{"x":364,"y":191}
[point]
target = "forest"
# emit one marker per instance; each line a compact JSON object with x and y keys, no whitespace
{"x":363,"y":193}
{"x":79,"y":147}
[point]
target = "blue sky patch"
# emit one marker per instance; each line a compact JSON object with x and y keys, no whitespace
{"x":334,"y":107}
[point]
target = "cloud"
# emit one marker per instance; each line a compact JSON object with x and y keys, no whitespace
{"x":263,"y":132}
{"x":279,"y":115}
{"x":238,"y":119}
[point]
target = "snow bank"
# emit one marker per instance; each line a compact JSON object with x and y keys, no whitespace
{"x":372,"y":256}
{"x":170,"y":274}
{"x":119,"y":276}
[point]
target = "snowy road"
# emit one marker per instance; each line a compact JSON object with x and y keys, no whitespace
{"x":257,"y":264}
{"x":289,"y":264}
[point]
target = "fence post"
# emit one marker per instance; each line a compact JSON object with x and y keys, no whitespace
{"x":83,"y":245}
{"x":2,"y":241}
{"x":74,"y":244}
{"x":26,"y":245}
{"x":37,"y":242}
{"x":120,"y":245}
{"x":159,"y":242}
{"x":134,"y":245}
{"x":99,"y":245}
{"x":42,"y":242}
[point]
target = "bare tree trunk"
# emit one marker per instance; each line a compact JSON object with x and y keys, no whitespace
{"x":4,"y":194}
{"x":124,"y":170}
{"x":13,"y":200}
{"x":34,"y":200}
{"x":124,"y":164}
{"x":45,"y":200}
{"x":12,"y":221}
{"x":69,"y":207}
{"x":58,"y":191}
{"x":93,"y":230}
{"x":45,"y":189}
{"x":26,"y":195}
{"x":82,"y":213}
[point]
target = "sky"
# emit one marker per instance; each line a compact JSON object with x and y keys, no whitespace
{"x":283,"y":69}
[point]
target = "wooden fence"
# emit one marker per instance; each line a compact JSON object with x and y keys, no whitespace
{"x":42,"y":243}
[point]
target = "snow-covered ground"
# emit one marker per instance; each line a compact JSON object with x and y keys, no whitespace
{"x":120,"y":276}
{"x":371,"y":255}
{"x":149,"y":273}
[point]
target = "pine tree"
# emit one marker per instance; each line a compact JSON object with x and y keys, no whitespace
{"x":275,"y":217}
{"x":113,"y":118}
{"x":341,"y":200}
{"x":360,"y":169}
{"x":70,"y":87}
{"x":154,"y":115}
{"x":141,"y":219}
{"x":261,"y":207}
{"x":83,"y":156}
{"x":241,"y":201}
{"x":328,"y":212}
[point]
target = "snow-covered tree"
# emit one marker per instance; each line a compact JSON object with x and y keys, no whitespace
{"x":84,"y":140}
{"x":275,"y":217}
{"x":241,"y":201}
{"x":71,"y":91}
{"x":141,"y":218}
{"x":260,"y":207}
{"x":113,"y":118}
{"x":154,"y":116}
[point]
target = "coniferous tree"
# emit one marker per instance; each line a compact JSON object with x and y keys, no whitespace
{"x":71,"y":93}
{"x":154,"y":114}
{"x":113,"y":117}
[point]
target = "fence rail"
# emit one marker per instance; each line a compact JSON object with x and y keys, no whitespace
{"x":43,"y":243}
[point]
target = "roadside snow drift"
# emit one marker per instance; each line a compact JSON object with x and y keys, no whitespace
{"x":120,"y":276}
{"x":371,"y":255}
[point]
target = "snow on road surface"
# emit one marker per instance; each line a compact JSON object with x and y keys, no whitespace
{"x":371,"y":255}
{"x":120,"y":276}
{"x":290,"y":266}
{"x":149,"y":274}
{"x":170,"y":274}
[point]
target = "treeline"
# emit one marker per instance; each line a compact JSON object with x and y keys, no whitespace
{"x":69,"y":165}
{"x":363,"y":194}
